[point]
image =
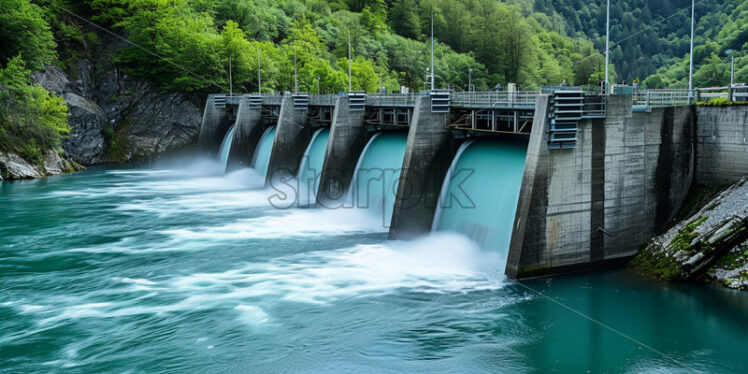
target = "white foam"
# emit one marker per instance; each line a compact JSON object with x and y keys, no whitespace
{"x":284,"y":224}
{"x":252,"y":315}
{"x":439,"y":263}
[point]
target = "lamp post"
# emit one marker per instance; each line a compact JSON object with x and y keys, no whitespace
{"x":607,"y":47}
{"x":690,"y":68}
{"x":470,"y":80}
{"x":731,"y":53}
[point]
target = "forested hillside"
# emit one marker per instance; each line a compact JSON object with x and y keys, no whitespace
{"x":653,"y":36}
{"x":189,"y":46}
{"x":197,"y":38}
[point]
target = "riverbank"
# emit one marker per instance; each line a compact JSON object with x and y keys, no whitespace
{"x":14,"y":167}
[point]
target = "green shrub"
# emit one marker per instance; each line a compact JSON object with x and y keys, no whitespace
{"x":32,"y":119}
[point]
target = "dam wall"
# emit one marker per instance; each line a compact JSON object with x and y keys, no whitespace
{"x":348,"y":137}
{"x":721,"y":143}
{"x":585,"y":207}
{"x":428,"y":155}
{"x":248,"y":130}
{"x":216,"y":122}
{"x":292,"y":136}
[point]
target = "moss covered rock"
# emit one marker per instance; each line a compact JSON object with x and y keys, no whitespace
{"x":695,"y":245}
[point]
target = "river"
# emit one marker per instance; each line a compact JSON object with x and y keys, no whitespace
{"x":168,"y":268}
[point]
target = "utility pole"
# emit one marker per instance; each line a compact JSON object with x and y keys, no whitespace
{"x":433,"y":73}
{"x":231,"y":85}
{"x":350,"y":75}
{"x":470,"y":80}
{"x":607,"y":49}
{"x":295,"y":73}
{"x":259,"y":72}
{"x":690,"y":69}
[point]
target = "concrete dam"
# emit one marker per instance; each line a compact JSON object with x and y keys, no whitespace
{"x":555,"y":181}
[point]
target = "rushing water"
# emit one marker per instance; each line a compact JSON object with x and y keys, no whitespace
{"x":479,"y":197}
{"x":166,"y":269}
{"x":310,"y":169}
{"x":225,"y":149}
{"x":261,"y":158}
{"x":374,"y":186}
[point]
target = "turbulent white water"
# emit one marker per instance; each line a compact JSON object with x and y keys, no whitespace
{"x":182,"y":268}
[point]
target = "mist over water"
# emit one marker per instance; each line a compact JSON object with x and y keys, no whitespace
{"x":178,"y":267}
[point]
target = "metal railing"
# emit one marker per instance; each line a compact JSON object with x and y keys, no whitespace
{"x":323,"y":100}
{"x":391,"y":100}
{"x":495,"y":100}
{"x":272,"y":99}
{"x":737,"y":93}
{"x":647,"y":99}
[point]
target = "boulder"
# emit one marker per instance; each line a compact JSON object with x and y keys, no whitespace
{"x":693,"y":247}
{"x":14,"y":167}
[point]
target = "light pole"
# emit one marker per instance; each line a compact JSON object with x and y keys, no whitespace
{"x":731,"y":53}
{"x":317,"y":85}
{"x":259,"y":72}
{"x":432,"y":51}
{"x":350,"y":75}
{"x":295,"y":73}
{"x":690,"y":68}
{"x":470,"y":80}
{"x":607,"y":47}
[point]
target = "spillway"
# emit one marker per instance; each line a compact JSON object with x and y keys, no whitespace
{"x":223,"y":152}
{"x":374,"y":185}
{"x":261,"y":157}
{"x":480,"y":192}
{"x":311,"y":167}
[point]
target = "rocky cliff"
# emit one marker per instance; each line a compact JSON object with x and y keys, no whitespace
{"x":116,"y":118}
{"x":711,"y":244}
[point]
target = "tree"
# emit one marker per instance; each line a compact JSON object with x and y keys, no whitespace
{"x":32,"y":120}
{"x":714,"y":73}
{"x":24,"y":31}
{"x":404,"y":19}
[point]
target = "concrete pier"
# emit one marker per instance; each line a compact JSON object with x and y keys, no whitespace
{"x":428,"y":155}
{"x":248,"y":131}
{"x":592,"y":205}
{"x":348,"y":137}
{"x":292,"y":136}
{"x":721,"y":143}
{"x":216,"y":122}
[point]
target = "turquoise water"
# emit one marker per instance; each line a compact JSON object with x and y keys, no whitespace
{"x":479,"y":197}
{"x":225,"y":149}
{"x":374,"y":185}
{"x":311,"y":167}
{"x":178,"y":268}
{"x":261,"y":158}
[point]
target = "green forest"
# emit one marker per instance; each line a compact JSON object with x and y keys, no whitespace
{"x":189,"y":45}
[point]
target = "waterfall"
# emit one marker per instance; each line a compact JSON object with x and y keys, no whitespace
{"x":223,"y":152}
{"x":374,"y":184}
{"x":480,"y":192}
{"x":261,"y":158}
{"x":311,"y":167}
